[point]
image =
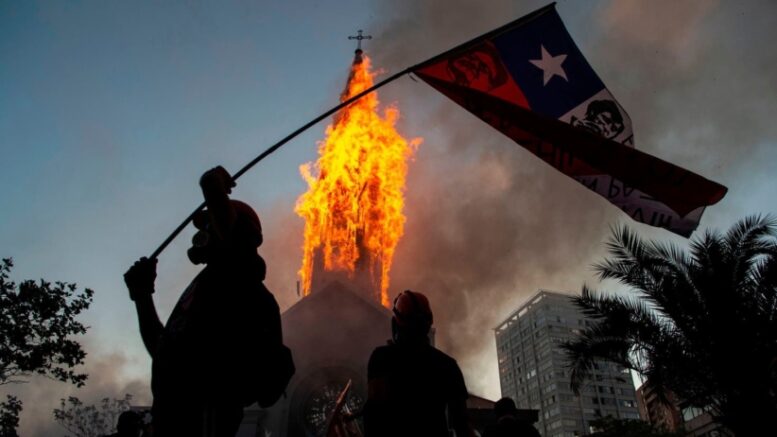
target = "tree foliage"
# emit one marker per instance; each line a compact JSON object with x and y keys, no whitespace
{"x":702,"y":324}
{"x":9,"y":416}
{"x":611,"y":427}
{"x":91,"y":420}
{"x":37,"y":321}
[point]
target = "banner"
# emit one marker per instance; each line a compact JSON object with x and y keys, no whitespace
{"x":529,"y":80}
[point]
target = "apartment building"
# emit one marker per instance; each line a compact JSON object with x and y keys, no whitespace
{"x":533,"y":369}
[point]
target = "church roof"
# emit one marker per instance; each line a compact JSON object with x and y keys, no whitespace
{"x":334,"y":292}
{"x":478,"y":402}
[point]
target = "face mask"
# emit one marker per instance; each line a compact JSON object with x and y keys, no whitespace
{"x":201,"y":238}
{"x":198,"y":253}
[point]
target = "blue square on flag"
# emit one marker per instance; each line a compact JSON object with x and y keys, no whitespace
{"x":547,"y":66}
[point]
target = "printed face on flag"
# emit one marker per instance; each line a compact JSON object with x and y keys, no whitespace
{"x":481,"y":69}
{"x":530,"y":81}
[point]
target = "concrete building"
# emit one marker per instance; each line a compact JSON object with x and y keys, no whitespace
{"x":674,"y":416}
{"x":656,"y":412}
{"x":699,"y":423}
{"x":533,"y":369}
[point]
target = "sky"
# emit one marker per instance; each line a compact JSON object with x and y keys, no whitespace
{"x":110,"y":111}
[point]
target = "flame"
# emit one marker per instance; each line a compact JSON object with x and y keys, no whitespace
{"x":353,"y":206}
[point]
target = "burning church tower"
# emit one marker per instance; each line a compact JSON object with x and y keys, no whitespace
{"x":353,"y":222}
{"x":353,"y":207}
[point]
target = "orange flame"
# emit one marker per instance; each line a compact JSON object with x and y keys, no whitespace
{"x":353,"y":206}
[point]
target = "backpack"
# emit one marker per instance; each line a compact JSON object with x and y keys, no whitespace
{"x":275,"y":373}
{"x":269,"y":365}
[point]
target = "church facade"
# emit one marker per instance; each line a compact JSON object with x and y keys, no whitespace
{"x":331,"y":333}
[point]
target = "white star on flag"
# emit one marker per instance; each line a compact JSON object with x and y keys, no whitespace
{"x":550,"y":66}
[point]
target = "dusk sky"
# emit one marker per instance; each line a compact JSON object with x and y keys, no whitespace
{"x":110,"y":111}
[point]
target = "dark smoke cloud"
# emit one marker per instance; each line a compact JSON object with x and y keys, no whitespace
{"x":282,"y":250}
{"x":485,"y":229}
{"x":696,"y":77}
{"x":107,"y":378}
{"x":488,"y":223}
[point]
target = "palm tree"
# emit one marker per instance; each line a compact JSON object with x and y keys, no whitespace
{"x":701,"y":323}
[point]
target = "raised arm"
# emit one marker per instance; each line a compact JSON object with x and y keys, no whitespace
{"x":140,"y":283}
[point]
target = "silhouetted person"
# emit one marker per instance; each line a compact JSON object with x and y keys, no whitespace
{"x":411,"y":384}
{"x":129,"y":425}
{"x":200,"y":357}
{"x":507,"y":422}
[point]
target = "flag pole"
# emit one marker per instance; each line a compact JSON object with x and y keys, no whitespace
{"x":520,"y":21}
{"x":277,"y":146}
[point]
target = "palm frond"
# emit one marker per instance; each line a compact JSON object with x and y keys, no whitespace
{"x":621,"y":324}
{"x":587,"y":350}
{"x":749,"y":230}
{"x":746,"y":241}
{"x":628,"y":259}
{"x":703,"y":324}
{"x":764,"y":278}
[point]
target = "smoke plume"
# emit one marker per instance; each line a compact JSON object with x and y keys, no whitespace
{"x":107,"y":379}
{"x":488,"y":223}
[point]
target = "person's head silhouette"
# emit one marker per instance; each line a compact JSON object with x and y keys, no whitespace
{"x":129,"y":424}
{"x":208,"y":246}
{"x":505,"y":407}
{"x":412,"y":317}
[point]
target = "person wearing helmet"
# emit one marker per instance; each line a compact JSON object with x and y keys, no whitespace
{"x":199,"y":356}
{"x":508,"y":424}
{"x":130,"y":424}
{"x":413,"y":388}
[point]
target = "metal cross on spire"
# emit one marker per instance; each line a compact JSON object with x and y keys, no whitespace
{"x":359,"y":37}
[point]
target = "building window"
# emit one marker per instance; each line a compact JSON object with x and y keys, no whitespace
{"x":551,"y":412}
{"x":691,"y":413}
{"x":567,"y":398}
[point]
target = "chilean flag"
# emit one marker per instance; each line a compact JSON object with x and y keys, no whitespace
{"x":529,"y":80}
